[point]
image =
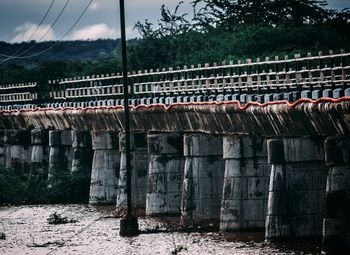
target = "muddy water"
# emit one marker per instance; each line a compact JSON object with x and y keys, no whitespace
{"x":96,"y":232}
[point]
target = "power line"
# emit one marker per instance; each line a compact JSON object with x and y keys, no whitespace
{"x":34,"y":45}
{"x":48,"y":30}
{"x":57,"y":42}
{"x":32,"y":34}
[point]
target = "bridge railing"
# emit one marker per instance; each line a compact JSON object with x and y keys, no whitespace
{"x":310,"y":71}
{"x":249,"y":77}
{"x":18,"y":93}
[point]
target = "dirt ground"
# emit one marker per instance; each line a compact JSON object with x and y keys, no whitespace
{"x":96,"y":231}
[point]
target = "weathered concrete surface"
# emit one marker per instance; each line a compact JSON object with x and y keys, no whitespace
{"x":296,"y":203}
{"x":203,"y":178}
{"x":105,"y":168}
{"x":40,"y":150}
{"x":246,"y":183}
{"x":165,"y":174}
{"x":139,"y":170}
{"x":323,"y":118}
{"x":82,"y":152}
{"x":336,"y":225}
{"x":2,"y":146}
{"x":18,"y":150}
{"x":60,"y":155}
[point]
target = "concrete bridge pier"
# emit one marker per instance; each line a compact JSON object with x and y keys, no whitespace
{"x":54,"y":154}
{"x":246,"y":183}
{"x":18,"y":153}
{"x":67,"y":149}
{"x":81,"y":164}
{"x":60,"y":156}
{"x":2,"y":146}
{"x":203,"y":179}
{"x":165,"y":174}
{"x":6,"y":148}
{"x":105,"y":168}
{"x":40,"y":151}
{"x":297,"y":188}
{"x":139,"y":170}
{"x":82,"y":152}
{"x":336,"y":224}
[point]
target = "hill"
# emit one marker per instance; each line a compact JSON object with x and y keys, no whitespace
{"x":63,"y":51}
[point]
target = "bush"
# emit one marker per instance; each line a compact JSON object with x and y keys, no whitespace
{"x":33,"y":189}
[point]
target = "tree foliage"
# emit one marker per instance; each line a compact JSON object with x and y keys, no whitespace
{"x":230,"y":29}
{"x":232,"y":13}
{"x":218,"y":30}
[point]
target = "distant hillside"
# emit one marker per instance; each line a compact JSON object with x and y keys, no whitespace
{"x":63,"y":51}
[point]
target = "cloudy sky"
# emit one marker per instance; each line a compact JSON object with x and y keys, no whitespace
{"x":20,"y":18}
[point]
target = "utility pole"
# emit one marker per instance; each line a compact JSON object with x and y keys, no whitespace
{"x":129,"y":224}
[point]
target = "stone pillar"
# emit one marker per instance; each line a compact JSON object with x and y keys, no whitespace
{"x":18,"y":153}
{"x":139,"y":170}
{"x":165,"y":174}
{"x":296,"y":189}
{"x":105,"y":168}
{"x":54,"y":155}
{"x":203,"y":178}
{"x":61,"y":153}
{"x":67,"y":150}
{"x":81,"y":165}
{"x":82,"y":152}
{"x":40,"y":154}
{"x":7,"y":148}
{"x":2,"y":146}
{"x":60,"y":157}
{"x":336,"y":225}
{"x":246,"y":183}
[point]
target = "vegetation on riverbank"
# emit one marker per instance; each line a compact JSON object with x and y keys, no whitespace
{"x":36,"y":189}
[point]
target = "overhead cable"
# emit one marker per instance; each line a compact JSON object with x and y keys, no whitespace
{"x":56,"y":43}
{"x":47,"y":31}
{"x":33,"y":33}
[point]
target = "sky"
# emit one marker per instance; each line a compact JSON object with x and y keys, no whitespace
{"x":20,"y":18}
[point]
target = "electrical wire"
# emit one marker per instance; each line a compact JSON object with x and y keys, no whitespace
{"x":56,"y":43}
{"x":48,"y":30}
{"x":32,"y":34}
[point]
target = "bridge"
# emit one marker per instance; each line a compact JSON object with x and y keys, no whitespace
{"x":260,"y":144}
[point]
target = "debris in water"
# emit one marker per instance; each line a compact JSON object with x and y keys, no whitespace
{"x":178,"y":249}
{"x":57,"y":218}
{"x":2,"y":236}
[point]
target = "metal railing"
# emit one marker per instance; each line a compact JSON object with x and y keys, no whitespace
{"x":309,"y":71}
{"x":248,"y":77}
{"x":18,"y":93}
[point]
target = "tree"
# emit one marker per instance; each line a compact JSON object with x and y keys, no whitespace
{"x":171,"y":24}
{"x":232,"y":13}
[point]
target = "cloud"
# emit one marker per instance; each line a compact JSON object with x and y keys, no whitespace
{"x":94,"y":32}
{"x":94,"y":5}
{"x":25,"y":31}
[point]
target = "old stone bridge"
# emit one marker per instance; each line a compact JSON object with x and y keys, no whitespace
{"x":253,"y":145}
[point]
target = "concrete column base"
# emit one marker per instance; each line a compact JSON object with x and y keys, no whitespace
{"x":105,"y":168}
{"x":18,"y":154}
{"x":60,"y":156}
{"x":203,"y":179}
{"x":139,"y":164}
{"x":81,"y":165}
{"x":245,"y":189}
{"x":40,"y":153}
{"x":336,"y":224}
{"x":165,"y":174}
{"x":297,"y":188}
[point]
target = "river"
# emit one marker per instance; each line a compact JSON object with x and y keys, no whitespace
{"x":96,"y":231}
